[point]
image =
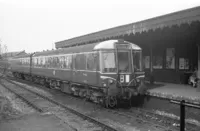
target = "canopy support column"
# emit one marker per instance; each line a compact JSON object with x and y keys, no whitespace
{"x":151,"y":65}
{"x":198,"y":75}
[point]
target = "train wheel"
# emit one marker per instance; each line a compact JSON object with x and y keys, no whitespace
{"x":110,"y":102}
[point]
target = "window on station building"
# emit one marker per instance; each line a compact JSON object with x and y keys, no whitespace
{"x":183,"y":63}
{"x":157,"y":62}
{"x":22,"y":61}
{"x":170,"y":58}
{"x":19,"y":61}
{"x":92,"y":61}
{"x":25,"y":61}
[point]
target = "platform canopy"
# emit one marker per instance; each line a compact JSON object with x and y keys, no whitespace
{"x":177,"y":18}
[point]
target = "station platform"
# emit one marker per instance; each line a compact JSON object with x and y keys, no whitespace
{"x":174,"y":91}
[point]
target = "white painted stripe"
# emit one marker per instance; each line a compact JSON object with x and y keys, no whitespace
{"x":107,"y":77}
{"x":142,"y":76}
{"x":127,"y":78}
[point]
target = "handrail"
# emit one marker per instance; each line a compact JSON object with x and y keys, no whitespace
{"x":182,"y":111}
{"x":197,"y":106}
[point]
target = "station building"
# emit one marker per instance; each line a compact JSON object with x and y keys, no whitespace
{"x":170,"y":43}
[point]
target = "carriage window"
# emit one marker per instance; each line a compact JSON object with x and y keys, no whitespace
{"x":43,"y":61}
{"x":123,"y":61}
{"x":50,"y":61}
{"x":55,"y":62}
{"x":137,"y":60}
{"x":92,"y":61}
{"x":33,"y":61}
{"x":80,"y":62}
{"x":61,"y":62}
{"x":39,"y":62}
{"x":28,"y":61}
{"x":109,"y":62}
{"x":47,"y":62}
{"x":68,"y":62}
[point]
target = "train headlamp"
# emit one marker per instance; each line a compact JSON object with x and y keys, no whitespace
{"x":104,"y":85}
{"x":110,"y":81}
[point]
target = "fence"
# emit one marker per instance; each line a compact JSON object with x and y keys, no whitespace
{"x":182,"y":111}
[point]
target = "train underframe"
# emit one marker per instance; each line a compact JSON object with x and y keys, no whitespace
{"x":96,"y":94}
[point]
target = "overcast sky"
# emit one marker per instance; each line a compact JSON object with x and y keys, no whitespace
{"x":35,"y":25}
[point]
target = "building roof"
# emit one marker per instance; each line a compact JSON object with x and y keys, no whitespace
{"x":177,"y":18}
{"x":13,"y":54}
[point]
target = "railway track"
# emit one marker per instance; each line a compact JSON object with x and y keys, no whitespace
{"x":27,"y":101}
{"x":143,"y":115}
{"x":33,"y":97}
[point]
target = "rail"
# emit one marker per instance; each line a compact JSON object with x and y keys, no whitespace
{"x":104,"y":126}
{"x":182,"y":108}
{"x":23,"y":98}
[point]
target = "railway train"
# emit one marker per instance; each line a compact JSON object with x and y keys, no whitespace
{"x":107,"y":72}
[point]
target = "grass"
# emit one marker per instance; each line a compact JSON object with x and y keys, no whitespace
{"x":6,"y":109}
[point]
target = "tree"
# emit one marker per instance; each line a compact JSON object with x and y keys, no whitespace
{"x":3,"y":61}
{"x":3,"y":50}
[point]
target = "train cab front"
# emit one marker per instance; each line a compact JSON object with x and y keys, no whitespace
{"x":130,"y":73}
{"x":121,"y":69}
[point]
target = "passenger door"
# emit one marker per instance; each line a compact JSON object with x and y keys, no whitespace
{"x":92,"y":68}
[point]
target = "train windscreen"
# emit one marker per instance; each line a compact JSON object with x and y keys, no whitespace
{"x":124,"y":61}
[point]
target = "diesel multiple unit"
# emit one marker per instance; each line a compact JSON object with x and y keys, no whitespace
{"x":106,"y":72}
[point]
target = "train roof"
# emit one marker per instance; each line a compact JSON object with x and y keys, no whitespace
{"x":74,"y":49}
{"x":109,"y":44}
{"x":22,"y":56}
